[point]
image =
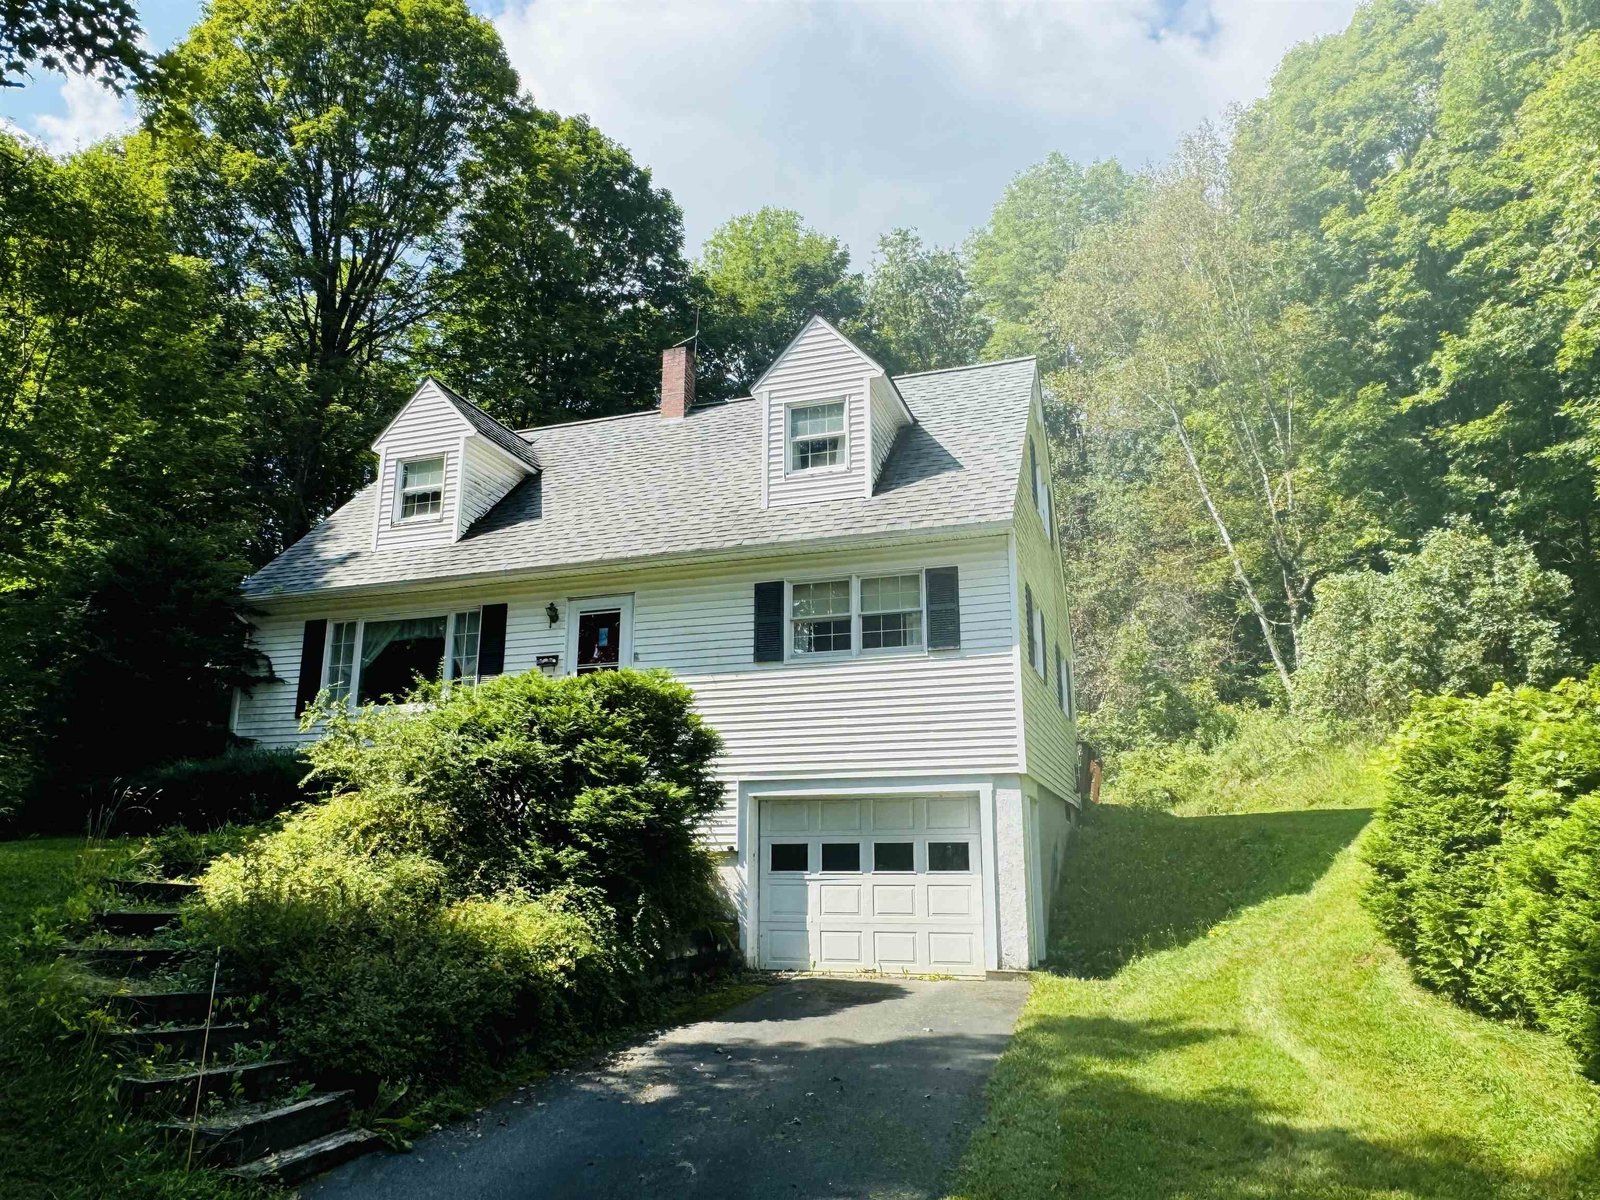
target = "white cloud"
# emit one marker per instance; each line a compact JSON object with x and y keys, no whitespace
{"x":865,"y":116}
{"x":92,"y":112}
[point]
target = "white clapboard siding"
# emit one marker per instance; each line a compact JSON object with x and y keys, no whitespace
{"x":820,"y":365}
{"x":1051,"y":741}
{"x":487,"y":476}
{"x":427,"y":426}
{"x":887,"y":419}
{"x":866,"y":716}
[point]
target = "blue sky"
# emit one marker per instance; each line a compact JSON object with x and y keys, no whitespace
{"x":863,"y":116}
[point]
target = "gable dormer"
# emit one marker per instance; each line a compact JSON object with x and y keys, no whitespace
{"x":442,"y":464}
{"x":830,"y":416}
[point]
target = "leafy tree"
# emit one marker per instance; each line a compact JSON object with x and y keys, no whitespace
{"x":1456,"y":617}
{"x":1183,"y":334}
{"x":761,"y":276}
{"x":1037,"y":225}
{"x":320,"y":145}
{"x":571,"y":277}
{"x":920,"y":313}
{"x":119,"y":419}
{"x":98,"y":38}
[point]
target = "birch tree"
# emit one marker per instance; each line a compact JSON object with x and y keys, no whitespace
{"x":1177,"y":322}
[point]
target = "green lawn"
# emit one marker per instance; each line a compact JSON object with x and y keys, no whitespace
{"x":1236,"y":1028}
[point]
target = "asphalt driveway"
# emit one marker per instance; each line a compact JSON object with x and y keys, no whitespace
{"x":816,"y":1088}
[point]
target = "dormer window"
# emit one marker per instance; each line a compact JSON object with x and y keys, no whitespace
{"x":816,"y":436}
{"x":421,"y":488}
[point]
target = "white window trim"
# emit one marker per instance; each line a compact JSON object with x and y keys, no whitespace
{"x":856,"y":650}
{"x":578,"y":605}
{"x":789,"y":469}
{"x":447,"y":671}
{"x":399,"y":489}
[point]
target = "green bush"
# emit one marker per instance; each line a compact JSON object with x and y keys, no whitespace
{"x":1457,"y":617}
{"x":1486,"y":854}
{"x":494,"y":862}
{"x":1242,"y":754}
{"x":243,"y":784}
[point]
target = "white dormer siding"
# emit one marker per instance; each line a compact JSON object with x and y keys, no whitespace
{"x":490,"y":474}
{"x":477,"y":473}
{"x":819,"y":367}
{"x":427,"y":427}
{"x":886,"y":416}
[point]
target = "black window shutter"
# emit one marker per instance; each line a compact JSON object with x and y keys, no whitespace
{"x":1061,"y":681}
{"x":492,"y":640}
{"x":769,"y":621}
{"x":1027,"y":595}
{"x":944,"y":608}
{"x":1033,"y":469}
{"x":312,"y":641}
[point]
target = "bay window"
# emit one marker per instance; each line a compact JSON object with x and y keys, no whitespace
{"x":379,"y":662}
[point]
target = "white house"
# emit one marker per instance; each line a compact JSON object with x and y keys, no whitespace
{"x":856,"y":574}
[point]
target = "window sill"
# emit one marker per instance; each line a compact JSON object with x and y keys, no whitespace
{"x":808,"y":472}
{"x":399,"y":522}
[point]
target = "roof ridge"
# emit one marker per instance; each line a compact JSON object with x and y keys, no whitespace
{"x":643,"y":412}
{"x":977,"y":366}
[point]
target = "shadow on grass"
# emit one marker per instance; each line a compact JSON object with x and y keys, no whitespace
{"x":1137,"y":881}
{"x":1102,"y":1115}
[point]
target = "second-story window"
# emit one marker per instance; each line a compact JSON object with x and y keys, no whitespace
{"x":821,"y":617}
{"x":891,"y":612}
{"x":816,"y":436}
{"x":421,"y":488}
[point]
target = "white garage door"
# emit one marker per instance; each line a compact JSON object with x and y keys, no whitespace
{"x":890,"y":883}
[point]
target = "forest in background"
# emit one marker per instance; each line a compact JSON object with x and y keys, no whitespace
{"x":1321,"y":388}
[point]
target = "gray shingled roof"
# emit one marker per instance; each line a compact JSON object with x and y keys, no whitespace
{"x":626,"y":488}
{"x":497,"y":433}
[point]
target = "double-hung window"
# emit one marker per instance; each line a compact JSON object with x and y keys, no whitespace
{"x":379,"y":662}
{"x":421,"y":487}
{"x":816,"y":436}
{"x":821,"y":618}
{"x":861,"y":613}
{"x":891,"y":612}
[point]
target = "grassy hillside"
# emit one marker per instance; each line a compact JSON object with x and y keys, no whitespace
{"x":1236,"y":1028}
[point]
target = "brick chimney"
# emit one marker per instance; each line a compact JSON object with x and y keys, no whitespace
{"x":677,"y":381}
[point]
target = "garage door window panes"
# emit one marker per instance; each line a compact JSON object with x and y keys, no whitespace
{"x":841,"y":856}
{"x":948,"y":856}
{"x":893,"y":856}
{"x":891,"y":612}
{"x":790,"y":856}
{"x":822,"y":617}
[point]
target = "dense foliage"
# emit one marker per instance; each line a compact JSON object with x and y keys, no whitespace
{"x":502,"y":860}
{"x":1455,"y":618}
{"x":1485,"y":849}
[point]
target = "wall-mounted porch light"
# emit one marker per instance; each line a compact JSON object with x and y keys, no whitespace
{"x":551,"y":611}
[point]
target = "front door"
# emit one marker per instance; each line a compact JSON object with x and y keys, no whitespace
{"x":600,"y":634}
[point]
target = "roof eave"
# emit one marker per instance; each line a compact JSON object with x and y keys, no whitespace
{"x":753,"y":550}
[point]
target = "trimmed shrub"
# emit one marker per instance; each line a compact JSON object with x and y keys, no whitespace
{"x":242,"y":785}
{"x":1486,"y":854}
{"x":494,"y":862}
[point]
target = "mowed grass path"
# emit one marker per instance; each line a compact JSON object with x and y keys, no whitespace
{"x":1236,"y":1028}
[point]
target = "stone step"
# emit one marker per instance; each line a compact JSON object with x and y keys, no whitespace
{"x":126,"y":962}
{"x":155,"y":891}
{"x":164,"y":1008}
{"x":254,"y":1131}
{"x":174,"y":1090}
{"x":135,"y":922}
{"x":311,"y":1158}
{"x":176,"y":1042}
